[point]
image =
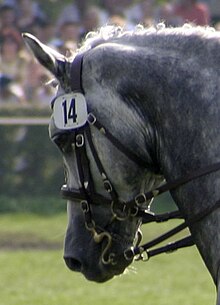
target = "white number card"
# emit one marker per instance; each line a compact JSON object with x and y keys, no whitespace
{"x":70,"y":111}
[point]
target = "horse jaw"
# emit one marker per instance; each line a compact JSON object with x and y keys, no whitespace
{"x":47,"y":57}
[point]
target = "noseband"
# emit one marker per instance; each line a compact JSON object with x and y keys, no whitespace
{"x":121,"y":211}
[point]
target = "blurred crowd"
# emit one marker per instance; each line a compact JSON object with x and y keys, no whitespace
{"x":24,"y":82}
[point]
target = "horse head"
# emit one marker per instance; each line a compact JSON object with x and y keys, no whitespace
{"x":131,"y":109}
{"x":105,"y":157}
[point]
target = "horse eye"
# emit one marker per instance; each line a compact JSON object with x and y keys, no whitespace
{"x":64,"y":143}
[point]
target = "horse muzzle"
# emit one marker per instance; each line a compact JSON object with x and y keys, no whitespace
{"x":99,"y":259}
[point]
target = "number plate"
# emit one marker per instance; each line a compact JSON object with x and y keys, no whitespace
{"x":70,"y":111}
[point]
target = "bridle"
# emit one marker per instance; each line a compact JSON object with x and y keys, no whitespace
{"x":121,"y":211}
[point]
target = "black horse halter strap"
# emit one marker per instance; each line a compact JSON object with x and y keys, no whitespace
{"x":86,"y":191}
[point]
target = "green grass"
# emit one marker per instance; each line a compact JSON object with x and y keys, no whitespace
{"x":39,"y":277}
{"x":40,"y":205}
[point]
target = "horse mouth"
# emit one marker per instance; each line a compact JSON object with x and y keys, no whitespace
{"x":99,"y":273}
{"x":96,"y":264}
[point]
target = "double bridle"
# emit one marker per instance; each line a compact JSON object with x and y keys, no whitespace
{"x":121,"y":211}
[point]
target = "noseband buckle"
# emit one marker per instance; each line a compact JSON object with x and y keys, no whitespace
{"x":79,"y":140}
{"x":140,"y":199}
{"x":120,"y":210}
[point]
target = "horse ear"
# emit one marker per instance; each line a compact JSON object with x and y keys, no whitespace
{"x":47,"y":57}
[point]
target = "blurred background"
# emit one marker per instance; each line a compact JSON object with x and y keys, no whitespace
{"x":32,"y":215}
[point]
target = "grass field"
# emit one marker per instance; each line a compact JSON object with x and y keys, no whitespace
{"x":33,"y":272}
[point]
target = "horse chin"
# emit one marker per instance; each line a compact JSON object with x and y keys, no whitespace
{"x":104,"y":273}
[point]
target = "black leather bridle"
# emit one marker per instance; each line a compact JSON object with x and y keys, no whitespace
{"x":137,"y":207}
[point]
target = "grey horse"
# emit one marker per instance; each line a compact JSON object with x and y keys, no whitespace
{"x":157,"y":91}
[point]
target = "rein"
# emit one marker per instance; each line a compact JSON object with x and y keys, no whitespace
{"x":123,"y":210}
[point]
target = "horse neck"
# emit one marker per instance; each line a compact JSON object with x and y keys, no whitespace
{"x":185,"y":111}
{"x":179,"y":103}
{"x":184,"y":105}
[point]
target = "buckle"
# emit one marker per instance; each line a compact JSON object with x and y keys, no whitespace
{"x":143,"y":256}
{"x":129,"y":254}
{"x":85,"y":206}
{"x":91,"y":118}
{"x":140,"y":199}
{"x":138,"y":254}
{"x":79,"y":140}
{"x":134,"y":211}
{"x":107,"y":186}
{"x":120,"y":211}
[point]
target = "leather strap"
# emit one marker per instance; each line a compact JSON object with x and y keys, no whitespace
{"x":177,"y":182}
{"x":76,"y":73}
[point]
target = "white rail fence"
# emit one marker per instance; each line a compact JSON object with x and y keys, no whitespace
{"x":31,"y":121}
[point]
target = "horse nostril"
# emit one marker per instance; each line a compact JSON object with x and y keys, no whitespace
{"x":73,"y":264}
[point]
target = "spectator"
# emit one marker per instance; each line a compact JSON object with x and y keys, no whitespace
{"x":44,"y":92}
{"x":70,"y":31}
{"x":73,"y":12}
{"x":13,"y":62}
{"x":8,"y":20}
{"x":44,"y":30}
{"x":116,"y":13}
{"x":28,"y":13}
{"x":116,"y":7}
{"x":68,"y":37}
{"x":118,"y":20}
{"x":35,"y":84}
{"x":143,"y":12}
{"x":10,"y":93}
{"x":91,"y":20}
{"x":187,"y":11}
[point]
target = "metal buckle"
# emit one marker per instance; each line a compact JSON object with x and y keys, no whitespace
{"x":79,"y":140}
{"x":107,"y":185}
{"x":140,"y":199}
{"x":122,"y":214}
{"x":85,"y":206}
{"x":134,"y":211}
{"x":144,"y":257}
{"x":91,"y":118}
{"x":129,"y":254}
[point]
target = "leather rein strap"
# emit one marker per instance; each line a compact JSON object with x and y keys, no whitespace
{"x":137,"y":206}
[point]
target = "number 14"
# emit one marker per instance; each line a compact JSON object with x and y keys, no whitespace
{"x":69,"y":112}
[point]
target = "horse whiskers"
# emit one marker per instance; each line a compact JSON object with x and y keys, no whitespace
{"x":129,"y":270}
